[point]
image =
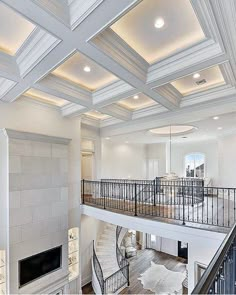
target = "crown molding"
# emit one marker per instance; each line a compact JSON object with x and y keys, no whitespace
{"x":34,"y":49}
{"x":80,"y":10}
{"x":206,"y":50}
{"x":227,"y":72}
{"x":5,"y":86}
{"x":185,"y":115}
{"x":70,"y":91}
{"x":58,"y":9}
{"x":171,"y":92}
{"x":216,"y":93}
{"x":152,"y":110}
{"x":225,"y":12}
{"x":15,"y":134}
{"x":72,"y":110}
{"x":111,"y":93}
{"x":116,"y":48}
{"x":8,"y":67}
{"x":117,"y":111}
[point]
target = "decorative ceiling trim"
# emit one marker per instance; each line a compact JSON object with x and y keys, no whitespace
{"x":72,"y":110}
{"x":152,"y":110}
{"x":227,"y":72}
{"x":199,"y":53}
{"x":5,"y":86}
{"x":169,"y":91}
{"x":117,"y":111}
{"x":115,"y":47}
{"x":185,"y":115}
{"x":8,"y":67}
{"x":216,"y":93}
{"x":225,"y":12}
{"x":104,"y":95}
{"x":58,"y":9}
{"x":65,"y":89}
{"x":80,"y":9}
{"x":36,"y":47}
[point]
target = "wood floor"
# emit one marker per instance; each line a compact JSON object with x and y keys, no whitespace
{"x":139,"y":264}
{"x":214,"y":214}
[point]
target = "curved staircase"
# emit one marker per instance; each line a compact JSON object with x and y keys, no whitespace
{"x":110,"y":267}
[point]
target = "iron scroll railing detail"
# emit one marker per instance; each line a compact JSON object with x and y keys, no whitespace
{"x":185,"y":201}
{"x":220,"y":275}
{"x":98,"y":270}
{"x":118,"y":279}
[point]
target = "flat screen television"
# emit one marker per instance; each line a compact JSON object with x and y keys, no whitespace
{"x":36,"y":266}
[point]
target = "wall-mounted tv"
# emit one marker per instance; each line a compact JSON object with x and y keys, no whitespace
{"x":36,"y":266}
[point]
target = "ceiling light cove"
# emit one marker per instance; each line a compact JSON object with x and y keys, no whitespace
{"x":87,"y":69}
{"x":196,"y":76}
{"x":159,"y":23}
{"x":175,"y":130}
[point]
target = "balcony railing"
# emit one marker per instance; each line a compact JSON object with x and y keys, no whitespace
{"x":220,"y":275}
{"x":184,"y":200}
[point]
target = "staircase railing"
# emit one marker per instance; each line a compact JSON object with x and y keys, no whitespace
{"x":98,"y":270}
{"x":118,"y":279}
{"x":220,"y":275}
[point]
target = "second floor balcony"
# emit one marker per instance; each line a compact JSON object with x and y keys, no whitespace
{"x":183,"y":201}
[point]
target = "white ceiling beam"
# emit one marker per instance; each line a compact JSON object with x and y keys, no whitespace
{"x":72,"y":110}
{"x":182,"y":116}
{"x":117,"y":111}
{"x":65,"y":89}
{"x":41,"y":17}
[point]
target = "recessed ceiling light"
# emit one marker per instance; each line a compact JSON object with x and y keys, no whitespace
{"x":87,"y":69}
{"x":136,"y":96}
{"x":126,"y":142}
{"x":196,"y":76}
{"x":215,"y":118}
{"x":159,"y":23}
{"x":107,"y":138}
{"x":220,"y":128}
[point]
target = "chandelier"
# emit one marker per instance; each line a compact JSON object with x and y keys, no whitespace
{"x":170,"y":175}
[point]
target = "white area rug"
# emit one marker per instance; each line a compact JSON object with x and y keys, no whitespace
{"x":160,"y":280}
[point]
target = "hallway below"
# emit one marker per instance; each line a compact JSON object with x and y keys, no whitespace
{"x":139,"y":264}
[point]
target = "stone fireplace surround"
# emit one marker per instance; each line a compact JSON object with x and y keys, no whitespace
{"x":38,"y":206}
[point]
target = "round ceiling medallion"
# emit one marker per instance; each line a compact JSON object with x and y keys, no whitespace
{"x":173,"y":129}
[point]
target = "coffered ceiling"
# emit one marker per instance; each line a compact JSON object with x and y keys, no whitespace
{"x":180,"y":29}
{"x":14,"y":30}
{"x":91,"y":58}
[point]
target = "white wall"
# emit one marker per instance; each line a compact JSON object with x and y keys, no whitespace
{"x":157,"y":151}
{"x":227,"y":160}
{"x":91,"y":133}
{"x":209,"y":148}
{"x":90,"y":230}
{"x":121,"y":160}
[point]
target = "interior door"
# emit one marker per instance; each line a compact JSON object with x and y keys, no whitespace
{"x":87,"y":166}
{"x":152,"y":168}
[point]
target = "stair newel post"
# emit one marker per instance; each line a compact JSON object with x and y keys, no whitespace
{"x":135,"y":199}
{"x":183,"y":194}
{"x":83,"y":191}
{"x":104,"y":194}
{"x":192,"y":194}
{"x":128,"y":282}
{"x":154,"y":197}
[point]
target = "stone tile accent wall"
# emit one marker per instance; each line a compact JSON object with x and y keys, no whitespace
{"x":38,"y":180}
